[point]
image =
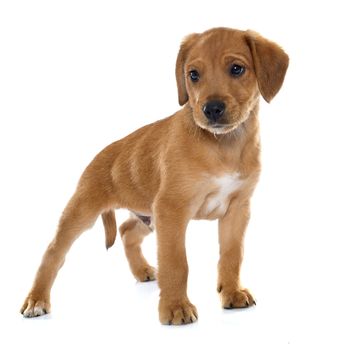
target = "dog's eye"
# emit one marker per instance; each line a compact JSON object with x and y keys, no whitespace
{"x":237,"y":70}
{"x":194,"y":75}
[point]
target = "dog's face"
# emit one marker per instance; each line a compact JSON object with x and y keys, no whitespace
{"x":222,"y":72}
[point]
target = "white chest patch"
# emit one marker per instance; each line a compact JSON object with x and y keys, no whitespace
{"x":225,"y":186}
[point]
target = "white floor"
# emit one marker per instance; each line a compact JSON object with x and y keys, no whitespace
{"x":97,"y":304}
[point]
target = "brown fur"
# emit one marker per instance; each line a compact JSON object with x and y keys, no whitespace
{"x":171,"y":170}
{"x":110,"y":226}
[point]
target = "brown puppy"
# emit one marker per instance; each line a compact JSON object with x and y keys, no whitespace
{"x":201,"y":163}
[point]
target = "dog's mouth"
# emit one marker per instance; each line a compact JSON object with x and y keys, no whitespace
{"x":219,"y":128}
{"x":225,"y":127}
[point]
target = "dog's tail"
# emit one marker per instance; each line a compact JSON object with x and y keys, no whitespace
{"x":108,"y":218}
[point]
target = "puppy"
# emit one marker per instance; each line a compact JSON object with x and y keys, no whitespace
{"x":201,"y":163}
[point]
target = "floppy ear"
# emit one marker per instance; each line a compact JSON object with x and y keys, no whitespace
{"x":180,"y":63}
{"x":270,"y":64}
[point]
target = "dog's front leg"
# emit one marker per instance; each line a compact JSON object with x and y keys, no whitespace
{"x":231,"y":235}
{"x":174,"y":305}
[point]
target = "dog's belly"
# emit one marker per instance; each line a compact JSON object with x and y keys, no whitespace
{"x":217,"y":198}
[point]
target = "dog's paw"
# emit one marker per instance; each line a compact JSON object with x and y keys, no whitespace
{"x":238,"y":298}
{"x":146,"y":274}
{"x":35,"y":308}
{"x":177,"y":313}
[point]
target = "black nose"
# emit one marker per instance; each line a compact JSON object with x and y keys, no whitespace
{"x":214,"y":110}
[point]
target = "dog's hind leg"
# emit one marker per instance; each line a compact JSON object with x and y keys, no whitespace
{"x":79,"y":215}
{"x":133,"y":231}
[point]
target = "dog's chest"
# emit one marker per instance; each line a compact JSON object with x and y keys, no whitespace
{"x":217,"y":194}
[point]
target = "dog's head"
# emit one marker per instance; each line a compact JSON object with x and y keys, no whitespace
{"x":221,"y":73}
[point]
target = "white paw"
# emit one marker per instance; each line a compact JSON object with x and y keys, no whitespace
{"x":33,"y":308}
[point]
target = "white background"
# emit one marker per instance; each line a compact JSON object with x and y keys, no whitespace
{"x":77,"y":75}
